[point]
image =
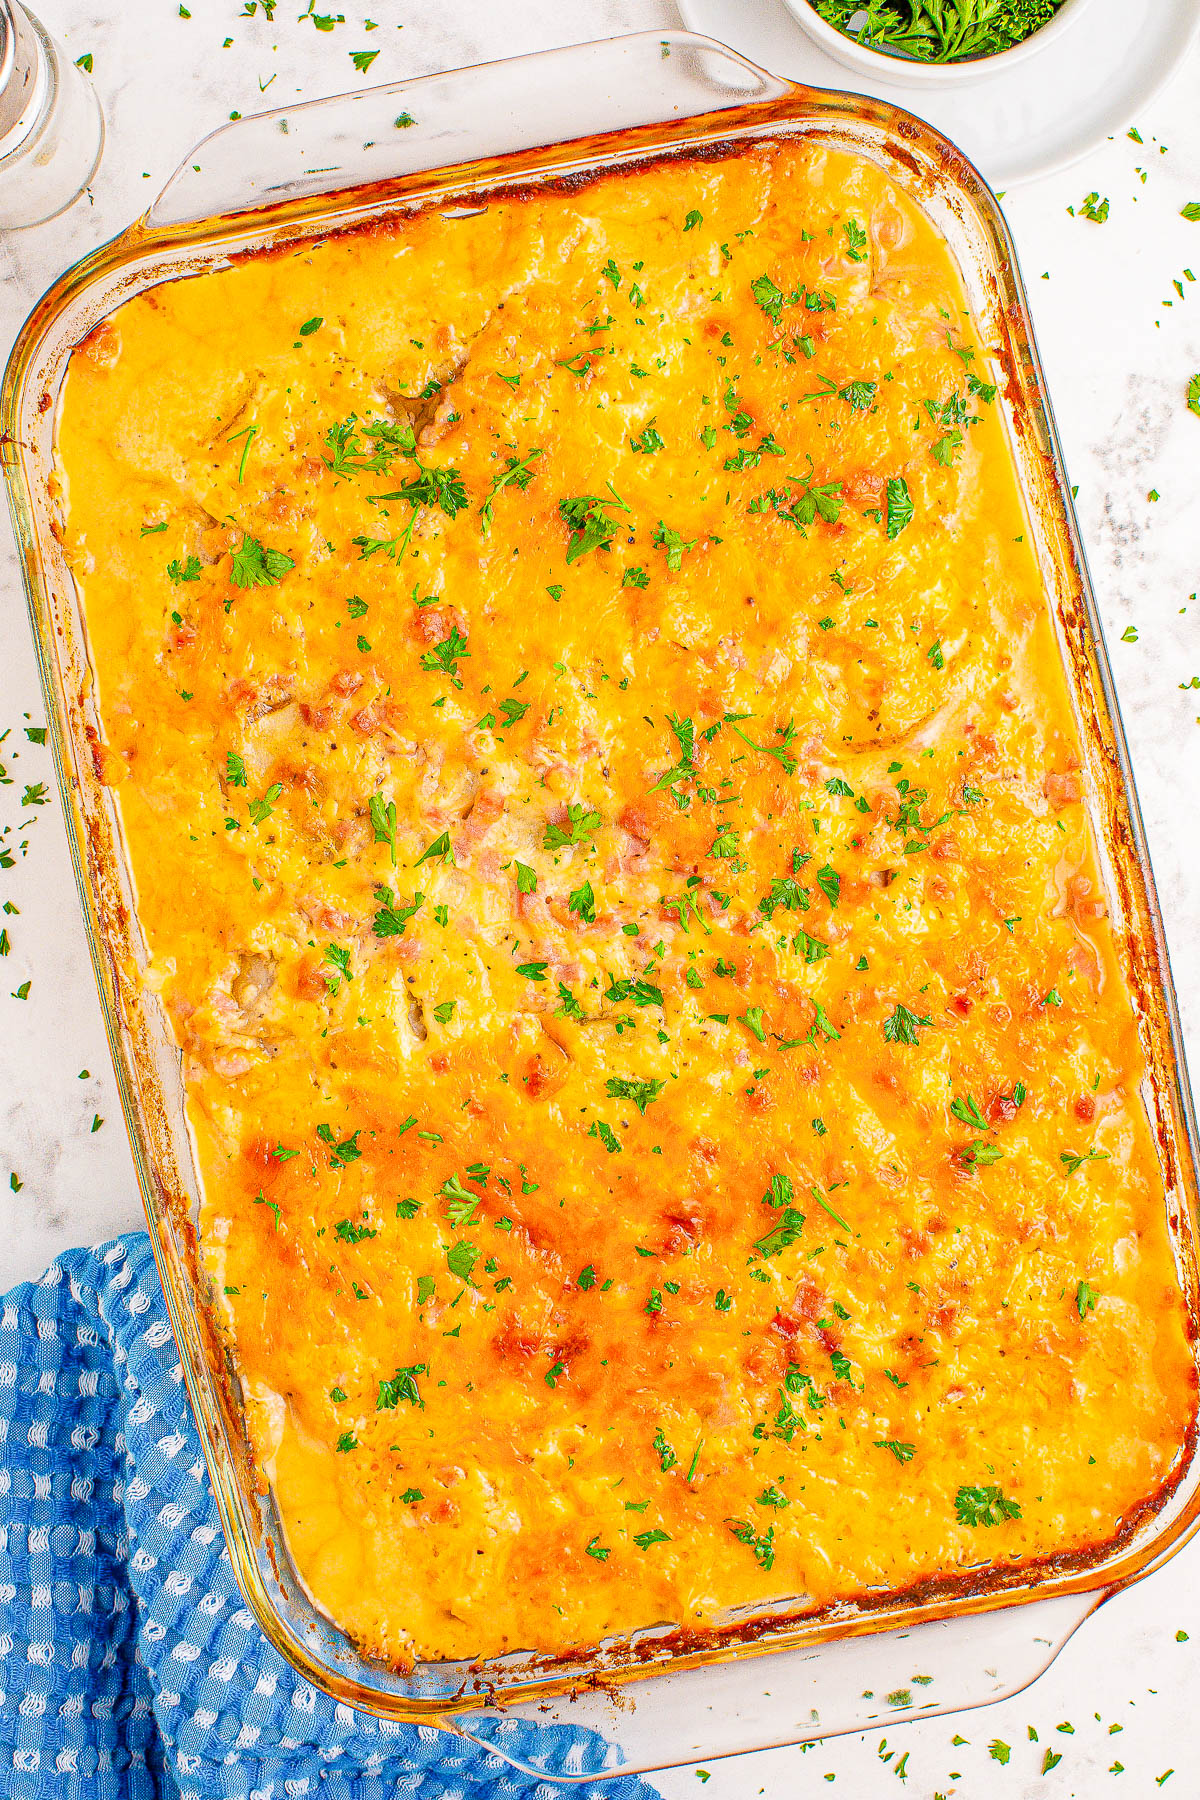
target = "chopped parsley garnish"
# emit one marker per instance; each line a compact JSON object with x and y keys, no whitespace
{"x":943,"y":448}
{"x":642,"y":993}
{"x":350,"y":1233}
{"x":447,"y":655}
{"x":966,"y":1110}
{"x":977,"y":1506}
{"x":254,"y":565}
{"x":591,"y":521}
{"x":860,"y":395}
{"x":581,"y":825}
{"x":771,"y":297}
{"x":260,"y":810}
{"x":899,"y":506}
{"x":801,"y":508}
{"x":779,"y":1191}
{"x":982,"y":1153}
{"x":902,"y":1452}
{"x":518,"y":472}
{"x":620,"y":1087}
{"x":461,"y":1257}
{"x":383,"y":822}
{"x":440,"y":850}
{"x":787,"y":893}
{"x":752,"y":1019}
{"x":393,"y":915}
{"x":339,"y":957}
{"x":856,"y":240}
{"x":648,"y":442}
{"x":583,"y":902}
{"x":1086,"y":1297}
{"x":367,"y":447}
{"x":786,"y":1232}
{"x":746,"y":458}
{"x":673,"y":543}
{"x":902,"y":1026}
{"x":402,"y":1386}
{"x":761,"y":1542}
{"x":435,"y":488}
{"x":1073,"y":1163}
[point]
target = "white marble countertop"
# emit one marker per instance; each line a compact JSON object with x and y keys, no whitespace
{"x":1119,"y":344}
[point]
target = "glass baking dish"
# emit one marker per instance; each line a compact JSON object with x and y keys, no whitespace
{"x":296,"y":174}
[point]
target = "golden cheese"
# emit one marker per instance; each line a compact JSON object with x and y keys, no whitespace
{"x":607,"y":820}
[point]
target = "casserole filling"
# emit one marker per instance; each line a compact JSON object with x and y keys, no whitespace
{"x":611,"y":842}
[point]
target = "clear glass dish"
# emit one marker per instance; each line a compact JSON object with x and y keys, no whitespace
{"x":302,"y":172}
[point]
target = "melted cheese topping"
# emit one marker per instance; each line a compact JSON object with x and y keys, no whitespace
{"x":608,"y":827}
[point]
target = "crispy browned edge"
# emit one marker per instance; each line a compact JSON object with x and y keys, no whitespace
{"x":648,"y":1647}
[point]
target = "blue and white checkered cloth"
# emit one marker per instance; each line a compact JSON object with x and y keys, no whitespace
{"x":131,"y":1669}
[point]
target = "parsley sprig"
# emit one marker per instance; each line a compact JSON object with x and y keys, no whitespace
{"x":517,"y":472}
{"x":592,"y":521}
{"x":977,"y":1506}
{"x":581,"y":825}
{"x":366,"y":447}
{"x":439,"y":489}
{"x":256,"y":565}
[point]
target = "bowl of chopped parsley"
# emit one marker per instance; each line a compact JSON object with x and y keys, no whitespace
{"x":934,"y":42}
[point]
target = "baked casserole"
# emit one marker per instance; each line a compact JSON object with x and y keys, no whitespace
{"x":612,"y":845}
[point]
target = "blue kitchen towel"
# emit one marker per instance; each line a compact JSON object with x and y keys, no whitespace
{"x":131,"y":1669}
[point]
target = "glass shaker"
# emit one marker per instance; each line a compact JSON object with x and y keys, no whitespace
{"x":51,"y":126}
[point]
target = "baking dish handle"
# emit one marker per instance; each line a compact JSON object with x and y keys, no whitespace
{"x":463,"y":116}
{"x":854,"y":1684}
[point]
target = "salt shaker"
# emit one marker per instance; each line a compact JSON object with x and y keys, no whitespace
{"x":51,"y":126}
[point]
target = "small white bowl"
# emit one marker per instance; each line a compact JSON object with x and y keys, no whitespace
{"x":905,"y":71}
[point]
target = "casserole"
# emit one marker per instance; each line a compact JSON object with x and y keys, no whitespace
{"x":145,"y":1054}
